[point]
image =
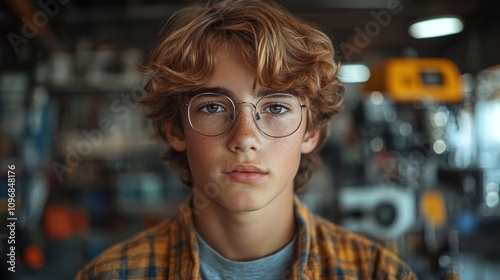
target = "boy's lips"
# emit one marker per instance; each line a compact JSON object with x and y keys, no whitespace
{"x":244,"y":173}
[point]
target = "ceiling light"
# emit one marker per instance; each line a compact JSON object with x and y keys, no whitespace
{"x":354,"y":73}
{"x":436,"y":27}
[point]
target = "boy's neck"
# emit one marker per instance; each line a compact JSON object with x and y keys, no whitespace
{"x":248,"y":235}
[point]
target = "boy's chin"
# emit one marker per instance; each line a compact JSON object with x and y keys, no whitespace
{"x":245,"y":201}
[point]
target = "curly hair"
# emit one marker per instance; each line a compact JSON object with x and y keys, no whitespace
{"x":285,"y":52}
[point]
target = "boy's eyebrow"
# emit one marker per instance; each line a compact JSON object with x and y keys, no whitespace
{"x":220,"y":90}
{"x":229,"y":93}
{"x":264,"y":92}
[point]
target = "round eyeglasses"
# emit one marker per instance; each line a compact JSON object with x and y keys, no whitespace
{"x":276,"y":115}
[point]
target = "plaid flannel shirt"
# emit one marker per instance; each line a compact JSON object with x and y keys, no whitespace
{"x":324,"y":251}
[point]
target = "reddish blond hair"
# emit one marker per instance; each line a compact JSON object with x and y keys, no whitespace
{"x":285,"y":52}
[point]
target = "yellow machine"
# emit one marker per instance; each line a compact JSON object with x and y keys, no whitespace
{"x":414,"y":79}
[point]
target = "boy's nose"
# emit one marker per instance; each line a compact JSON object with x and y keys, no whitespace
{"x":245,"y":134}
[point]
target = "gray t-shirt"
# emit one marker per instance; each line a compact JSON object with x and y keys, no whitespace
{"x":214,"y":266}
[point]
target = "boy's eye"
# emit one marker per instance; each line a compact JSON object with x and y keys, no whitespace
{"x":276,"y":109}
{"x":212,"y":108}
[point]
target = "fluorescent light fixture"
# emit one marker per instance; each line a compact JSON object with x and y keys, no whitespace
{"x":436,"y":27}
{"x":354,"y":73}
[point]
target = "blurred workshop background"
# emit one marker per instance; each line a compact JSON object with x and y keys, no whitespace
{"x":413,"y":161}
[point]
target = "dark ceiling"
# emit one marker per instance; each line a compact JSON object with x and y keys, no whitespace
{"x":137,"y":23}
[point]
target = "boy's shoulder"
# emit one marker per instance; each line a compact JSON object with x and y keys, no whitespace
{"x":355,"y":254}
{"x":146,"y":253}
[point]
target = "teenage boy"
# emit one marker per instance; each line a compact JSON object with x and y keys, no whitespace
{"x":243,"y":92}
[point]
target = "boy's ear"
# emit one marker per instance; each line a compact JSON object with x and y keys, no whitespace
{"x":175,"y":136}
{"x":310,"y":141}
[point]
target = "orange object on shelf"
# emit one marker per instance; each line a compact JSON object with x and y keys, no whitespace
{"x":58,"y":222}
{"x":415,"y":79}
{"x":33,"y":256}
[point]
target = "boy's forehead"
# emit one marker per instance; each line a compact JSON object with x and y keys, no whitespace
{"x":231,"y":72}
{"x":225,"y":54}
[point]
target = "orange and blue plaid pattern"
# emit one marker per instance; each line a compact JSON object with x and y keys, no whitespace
{"x":324,"y":251}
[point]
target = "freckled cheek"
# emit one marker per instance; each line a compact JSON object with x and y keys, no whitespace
{"x":286,"y":153}
{"x":202,"y":153}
